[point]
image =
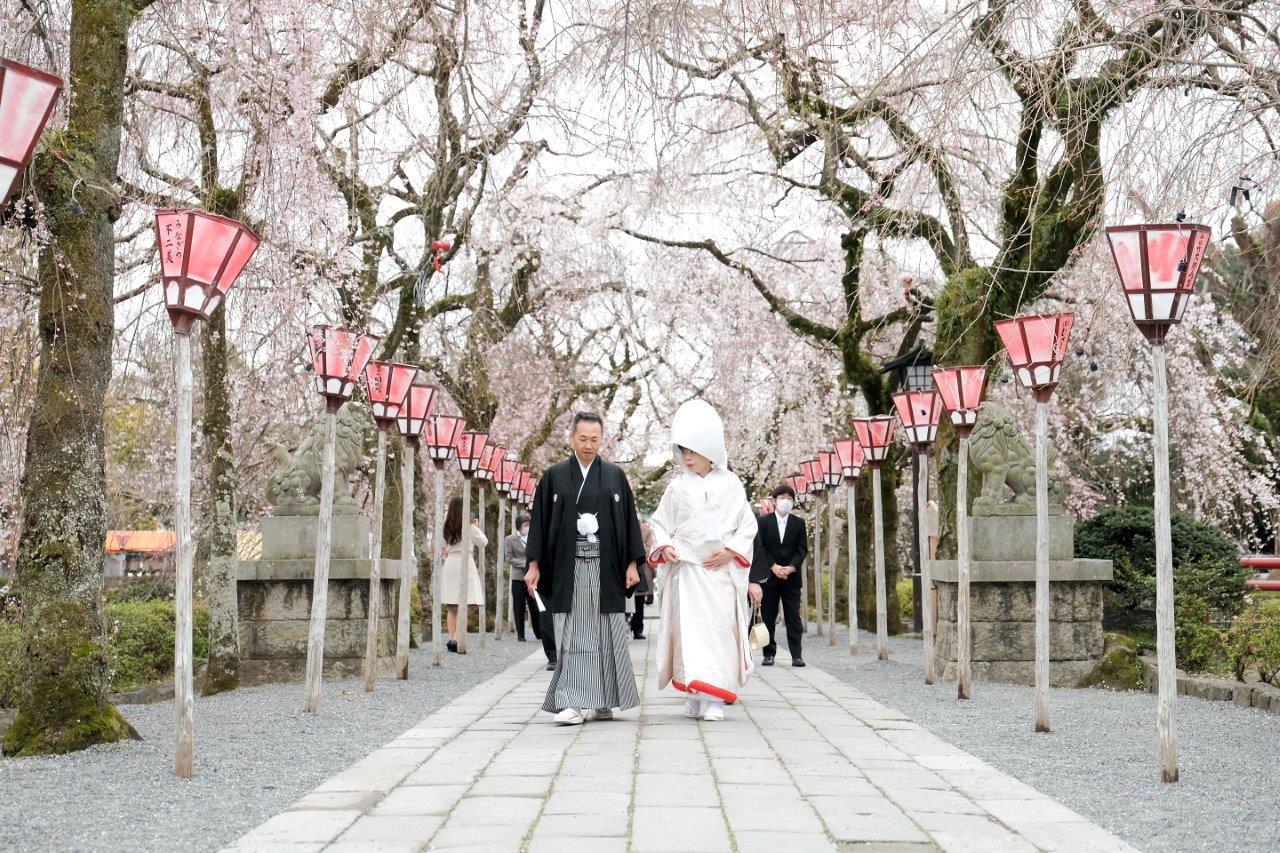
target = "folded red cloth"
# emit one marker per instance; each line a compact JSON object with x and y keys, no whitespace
{"x":695,"y":686}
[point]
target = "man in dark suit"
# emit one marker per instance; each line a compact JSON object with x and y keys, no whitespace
{"x":776,"y":572}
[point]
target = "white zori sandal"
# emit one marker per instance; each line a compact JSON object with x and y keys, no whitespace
{"x":714,"y":712}
{"x":569,"y":717}
{"x":692,"y":709}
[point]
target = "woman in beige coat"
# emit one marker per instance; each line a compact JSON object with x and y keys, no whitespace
{"x":450,"y":580}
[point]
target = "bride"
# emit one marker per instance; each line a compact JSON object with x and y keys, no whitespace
{"x":703,"y":532}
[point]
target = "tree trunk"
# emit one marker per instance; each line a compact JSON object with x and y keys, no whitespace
{"x":866,"y":553}
{"x":219,"y":546}
{"x":63,"y":694}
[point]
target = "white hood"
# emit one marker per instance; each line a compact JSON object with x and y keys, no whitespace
{"x":698,"y":427}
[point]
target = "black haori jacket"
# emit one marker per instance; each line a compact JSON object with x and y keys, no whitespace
{"x":553,"y":532}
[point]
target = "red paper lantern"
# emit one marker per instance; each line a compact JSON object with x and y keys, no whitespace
{"x":528,"y":486}
{"x":875,"y":435}
{"x":508,"y":475}
{"x":413,"y":414}
{"x":387,"y":383}
{"x":338,"y":357}
{"x":1037,"y":345}
{"x":831,"y":472}
{"x":961,"y":391}
{"x":919,"y":412}
{"x":768,"y":506}
{"x":849,"y":453}
{"x":440,"y":436}
{"x":1158,"y":265}
{"x":798,"y":484}
{"x":491,"y":457}
{"x":201,"y":255}
{"x":470,"y":449}
{"x":27,"y":97}
{"x":812,"y":470}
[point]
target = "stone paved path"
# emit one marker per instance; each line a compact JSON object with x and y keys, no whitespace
{"x":804,"y":762}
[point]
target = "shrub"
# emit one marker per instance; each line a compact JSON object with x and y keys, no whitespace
{"x":1254,"y":641}
{"x":1200,"y":645}
{"x":906,"y":601}
{"x":140,"y":640}
{"x":1205,"y":562}
{"x":415,"y":614}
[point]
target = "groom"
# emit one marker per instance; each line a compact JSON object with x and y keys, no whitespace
{"x":584,"y":543}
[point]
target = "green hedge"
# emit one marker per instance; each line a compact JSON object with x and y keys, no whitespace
{"x":141,"y":640}
{"x":1206,"y":563}
{"x":140,"y":644}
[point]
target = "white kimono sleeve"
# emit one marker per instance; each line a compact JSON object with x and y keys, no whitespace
{"x":742,"y":540}
{"x":662,"y":525}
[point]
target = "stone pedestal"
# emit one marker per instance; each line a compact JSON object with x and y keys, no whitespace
{"x":275,"y":601}
{"x":1002,"y":600}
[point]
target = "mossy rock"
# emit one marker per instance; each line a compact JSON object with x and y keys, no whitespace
{"x":1118,"y":668}
{"x":95,"y":724}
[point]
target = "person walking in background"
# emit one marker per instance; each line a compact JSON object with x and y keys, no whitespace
{"x":450,"y":579}
{"x":703,"y":530}
{"x":781,"y":547}
{"x":520,"y":599}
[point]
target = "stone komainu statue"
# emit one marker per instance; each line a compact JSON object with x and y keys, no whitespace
{"x":1000,"y":453}
{"x":295,"y":486}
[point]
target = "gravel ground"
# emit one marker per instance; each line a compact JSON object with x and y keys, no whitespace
{"x":1100,"y":758}
{"x":256,"y":752}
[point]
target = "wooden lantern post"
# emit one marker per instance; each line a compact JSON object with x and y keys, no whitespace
{"x":505,"y":477}
{"x":470,"y":450}
{"x":201,"y":255}
{"x":831,"y":480}
{"x":874,"y":436}
{"x":1157,"y":266}
{"x":817,"y":485}
{"x":1036,"y":346}
{"x":338,"y":357}
{"x":919,"y":412}
{"x":439,"y":437}
{"x":412,"y":420}
{"x":961,"y":392}
{"x":485,"y":474}
{"x":851,"y":459}
{"x":387,"y":384}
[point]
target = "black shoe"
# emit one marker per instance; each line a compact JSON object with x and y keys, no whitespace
{"x":521,"y":639}
{"x":551,"y":666}
{"x":639,"y":635}
{"x":797,"y":661}
{"x":452,"y":645}
{"x":768,"y":661}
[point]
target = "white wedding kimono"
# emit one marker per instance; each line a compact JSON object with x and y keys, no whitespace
{"x":702,"y":634}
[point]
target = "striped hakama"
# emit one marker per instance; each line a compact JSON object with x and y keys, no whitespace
{"x":593,"y":666}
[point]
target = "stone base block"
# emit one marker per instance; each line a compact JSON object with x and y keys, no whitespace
{"x":1002,"y":618}
{"x":295,"y":669}
{"x":1062,"y":673}
{"x":293,"y":537}
{"x":275,"y":617}
{"x":1069,"y":601}
{"x":1008,"y":532}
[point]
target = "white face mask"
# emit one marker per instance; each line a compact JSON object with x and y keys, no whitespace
{"x":784,"y":506}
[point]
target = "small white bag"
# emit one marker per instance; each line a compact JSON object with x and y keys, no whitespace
{"x":759,"y":635}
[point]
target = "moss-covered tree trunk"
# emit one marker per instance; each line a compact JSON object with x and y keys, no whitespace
{"x":219,"y":545}
{"x":62,"y":703}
